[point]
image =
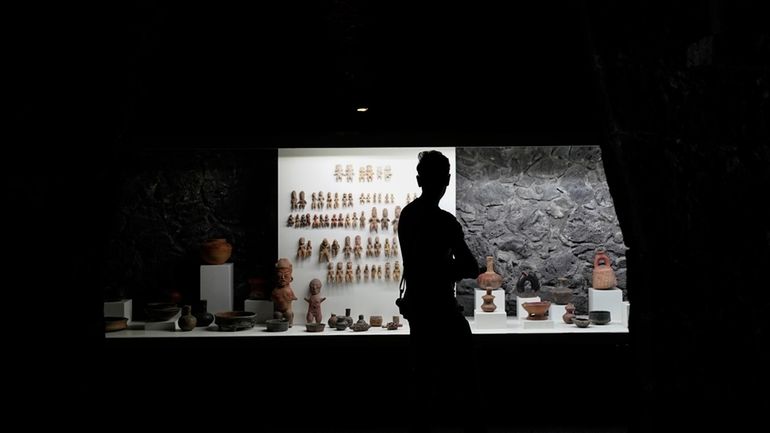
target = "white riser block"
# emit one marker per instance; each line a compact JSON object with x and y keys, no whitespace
{"x":493,"y":320}
{"x":262,"y":308}
{"x":556,"y":312}
{"x":217,"y":287}
{"x":121,"y":308}
{"x":607,"y":300}
{"x":537,"y":324}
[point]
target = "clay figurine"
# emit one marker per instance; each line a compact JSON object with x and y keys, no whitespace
{"x":283,"y":295}
{"x":314,"y":302}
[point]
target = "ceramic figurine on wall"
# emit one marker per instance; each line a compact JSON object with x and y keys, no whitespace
{"x":313,"y":201}
{"x":396,"y":271}
{"x":349,"y":272}
{"x":329,"y":200}
{"x":290,"y":221}
{"x":314,"y":302}
{"x":362,"y":221}
{"x":349,"y":172}
{"x":379,"y":272}
{"x":386,"y":248}
{"x":330,"y":273}
{"x":394,"y":249}
{"x":387,"y":270}
{"x":293,"y":200}
{"x":362,"y":199}
{"x":369,"y":173}
{"x":379,"y":197}
{"x":334,"y":221}
{"x":347,"y":221}
{"x":326,"y":221}
{"x":387,"y":198}
{"x":358,"y":272}
{"x":373,"y":221}
{"x":361,"y":174}
{"x":384,"y":221}
{"x":347,"y":250}
{"x":301,"y":202}
{"x":308,"y":249}
{"x":368,"y":198}
{"x":377,"y":246}
{"x":369,"y":247}
{"x":339,"y":275}
{"x":408,"y":198}
{"x":388,"y":173}
{"x":338,"y":173}
{"x":283,"y":296}
{"x":336,"y":200}
{"x":354,"y":221}
{"x":335,"y":248}
{"x":366,"y":272}
{"x":316,"y":222}
{"x":320,"y":204}
{"x":395,"y":219}
{"x":357,"y":248}
{"x":379,"y":172}
{"x":324,"y":255}
{"x":307,"y":220}
{"x":301,"y":249}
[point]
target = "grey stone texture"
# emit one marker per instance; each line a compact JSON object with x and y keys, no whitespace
{"x":537,"y":209}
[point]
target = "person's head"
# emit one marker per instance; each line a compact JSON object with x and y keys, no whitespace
{"x":433,"y":172}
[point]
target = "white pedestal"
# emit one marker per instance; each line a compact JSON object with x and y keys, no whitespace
{"x":537,"y":324}
{"x":166,"y":325}
{"x":262,"y":308}
{"x":521,"y":313}
{"x":217,"y":287}
{"x":626,"y":312}
{"x":493,"y":320}
{"x":555,"y":312}
{"x":607,"y":300}
{"x":499,"y":300}
{"x":122,"y":308}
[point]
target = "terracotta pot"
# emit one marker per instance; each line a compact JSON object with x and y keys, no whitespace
{"x":603,"y":275}
{"x":490,"y":279}
{"x":537,"y":310}
{"x":216,"y":251}
{"x":489,"y":305}
{"x":569,"y":314}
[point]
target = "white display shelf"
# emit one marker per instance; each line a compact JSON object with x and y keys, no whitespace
{"x":513,"y":326}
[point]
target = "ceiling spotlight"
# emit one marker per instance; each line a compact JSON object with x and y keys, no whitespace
{"x":362,"y":109}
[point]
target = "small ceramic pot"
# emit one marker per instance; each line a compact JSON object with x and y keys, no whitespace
{"x":599,"y":317}
{"x":581,"y":321}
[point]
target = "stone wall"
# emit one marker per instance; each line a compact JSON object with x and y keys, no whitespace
{"x":537,"y":209}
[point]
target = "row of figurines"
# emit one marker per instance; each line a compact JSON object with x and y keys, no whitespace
{"x":317,"y":200}
{"x":343,"y":273}
{"x":319,"y":221}
{"x":328,"y":251}
{"x":366,"y":173}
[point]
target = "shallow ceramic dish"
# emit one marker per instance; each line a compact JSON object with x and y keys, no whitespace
{"x":315,"y":327}
{"x":581,"y":321}
{"x":537,"y":310}
{"x":112,"y":324}
{"x":277,"y":325}
{"x":160,"y":311}
{"x":235,"y":320}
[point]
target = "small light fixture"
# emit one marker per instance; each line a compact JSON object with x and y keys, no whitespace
{"x":362,"y":109}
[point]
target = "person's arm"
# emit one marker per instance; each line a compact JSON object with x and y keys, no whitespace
{"x":465,"y":264}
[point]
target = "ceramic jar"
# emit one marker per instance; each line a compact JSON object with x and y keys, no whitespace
{"x":569,"y":315}
{"x":216,"y":251}
{"x":603,"y":275}
{"x":187,"y":321}
{"x":490,"y":279}
{"x":200,"y":311}
{"x":561,"y":294}
{"x":488,"y":306}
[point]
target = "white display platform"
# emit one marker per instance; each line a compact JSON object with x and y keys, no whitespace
{"x":537,"y":324}
{"x":607,"y":300}
{"x":217,"y":287}
{"x":493,"y":320}
{"x":555,"y":312}
{"x":263,"y":309}
{"x":521,"y":313}
{"x":122,"y":308}
{"x":626,"y":312}
{"x":499,"y":300}
{"x":166,"y":325}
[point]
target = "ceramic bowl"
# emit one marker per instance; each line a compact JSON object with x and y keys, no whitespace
{"x":537,"y":310}
{"x":235,"y":320}
{"x":581,"y":321}
{"x":160,"y":311}
{"x":277,"y":325}
{"x":315,"y":327}
{"x":112,"y":324}
{"x":599,"y":317}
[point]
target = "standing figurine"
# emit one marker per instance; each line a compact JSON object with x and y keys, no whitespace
{"x":283,"y":295}
{"x":314,"y":302}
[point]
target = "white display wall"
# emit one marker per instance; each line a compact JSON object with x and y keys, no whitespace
{"x":313,"y":170}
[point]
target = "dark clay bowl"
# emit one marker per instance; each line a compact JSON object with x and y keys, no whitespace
{"x":599,"y":317}
{"x":581,"y":321}
{"x":160,"y":311}
{"x":277,"y":325}
{"x":235,"y":320}
{"x":112,"y":324}
{"x":315,"y":327}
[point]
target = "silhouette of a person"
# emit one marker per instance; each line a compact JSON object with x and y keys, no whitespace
{"x":436,"y":256}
